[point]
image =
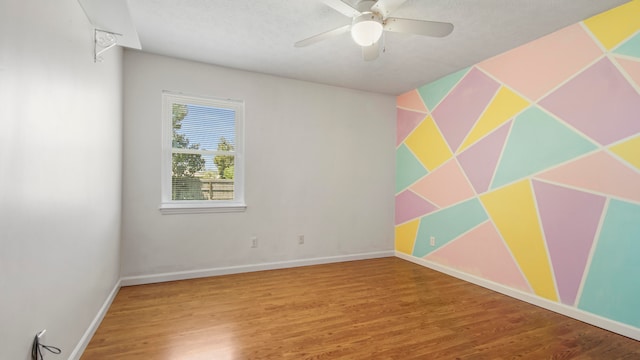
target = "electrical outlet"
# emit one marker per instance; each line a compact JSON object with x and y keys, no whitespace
{"x":432,"y":241}
{"x":300,"y":239}
{"x":254,"y":242}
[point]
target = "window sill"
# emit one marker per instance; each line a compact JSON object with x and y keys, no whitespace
{"x":199,"y":208}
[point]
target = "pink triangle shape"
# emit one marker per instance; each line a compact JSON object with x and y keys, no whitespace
{"x":482,"y":252}
{"x":480,"y":160}
{"x":406,"y":121}
{"x":598,"y":172}
{"x":461,"y":108}
{"x":445,"y":186}
{"x":632,"y":68}
{"x":411,"y":100}
{"x":410,"y":206}
{"x":570,"y":220}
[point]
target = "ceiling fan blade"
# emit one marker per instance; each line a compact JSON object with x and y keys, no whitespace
{"x":322,"y":36}
{"x":372,"y":52}
{"x":419,"y":27}
{"x":342,"y":7}
{"x":386,"y":7}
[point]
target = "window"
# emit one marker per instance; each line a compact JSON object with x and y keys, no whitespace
{"x":202,"y":159}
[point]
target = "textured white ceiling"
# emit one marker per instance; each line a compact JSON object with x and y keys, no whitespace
{"x":258,"y":35}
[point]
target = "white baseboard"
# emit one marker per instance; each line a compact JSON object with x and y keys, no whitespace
{"x":572,"y":312}
{"x":193,"y":274}
{"x":86,"y":337}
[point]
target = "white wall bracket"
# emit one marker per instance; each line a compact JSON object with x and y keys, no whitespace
{"x":115,"y":16}
{"x":102,"y":41}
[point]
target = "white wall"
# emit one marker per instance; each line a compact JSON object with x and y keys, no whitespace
{"x":60,"y":175}
{"x":317,"y":163}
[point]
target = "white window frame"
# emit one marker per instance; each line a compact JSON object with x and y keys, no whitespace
{"x":169,"y":206}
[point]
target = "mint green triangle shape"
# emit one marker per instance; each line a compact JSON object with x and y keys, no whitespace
{"x":447,"y":225}
{"x":610,"y":289}
{"x":630,"y":47}
{"x":433,"y":92}
{"x":537,"y":142}
{"x":408,"y":168}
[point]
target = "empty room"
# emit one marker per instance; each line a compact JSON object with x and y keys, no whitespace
{"x":319,"y":179}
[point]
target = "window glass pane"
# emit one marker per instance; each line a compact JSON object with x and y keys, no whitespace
{"x":203,"y":127}
{"x":203,"y":184}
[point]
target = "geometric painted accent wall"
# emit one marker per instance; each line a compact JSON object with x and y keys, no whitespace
{"x":524,"y":169}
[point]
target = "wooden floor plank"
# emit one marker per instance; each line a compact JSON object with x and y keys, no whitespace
{"x":372,"y":309}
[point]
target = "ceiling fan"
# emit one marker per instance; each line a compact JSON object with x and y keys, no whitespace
{"x":369,"y":19}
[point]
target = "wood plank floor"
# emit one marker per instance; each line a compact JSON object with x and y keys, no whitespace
{"x":373,"y":309}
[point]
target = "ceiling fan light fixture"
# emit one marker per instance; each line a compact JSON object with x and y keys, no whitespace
{"x":366,"y":29}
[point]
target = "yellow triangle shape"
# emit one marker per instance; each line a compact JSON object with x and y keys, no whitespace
{"x":613,"y":26}
{"x":406,"y":236}
{"x":504,"y":106}
{"x":512,"y":209}
{"x":428,"y":145}
{"x":629,"y":151}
